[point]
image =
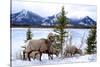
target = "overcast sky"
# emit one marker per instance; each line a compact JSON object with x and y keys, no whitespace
{"x":45,"y":9}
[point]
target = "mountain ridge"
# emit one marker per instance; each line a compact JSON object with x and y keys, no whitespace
{"x":29,"y":18}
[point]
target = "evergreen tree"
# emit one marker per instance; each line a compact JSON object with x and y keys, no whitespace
{"x":28,"y":35}
{"x":91,"y":41}
{"x":60,"y":27}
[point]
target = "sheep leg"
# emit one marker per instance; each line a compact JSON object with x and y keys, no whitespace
{"x":24,"y":55}
{"x":49,"y":56}
{"x":52,"y":56}
{"x":40,"y":56}
{"x":28,"y":55}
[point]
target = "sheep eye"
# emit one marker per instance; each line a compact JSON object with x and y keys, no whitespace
{"x":49,"y":37}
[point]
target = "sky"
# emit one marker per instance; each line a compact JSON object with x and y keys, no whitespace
{"x":45,"y":9}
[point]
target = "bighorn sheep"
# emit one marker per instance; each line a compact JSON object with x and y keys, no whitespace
{"x":41,"y":45}
{"x":72,"y":50}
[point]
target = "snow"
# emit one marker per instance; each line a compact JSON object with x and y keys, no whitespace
{"x":19,"y":36}
{"x":56,"y":60}
{"x":82,"y":23}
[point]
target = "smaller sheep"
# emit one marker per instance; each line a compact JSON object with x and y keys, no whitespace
{"x":72,"y":50}
{"x":34,"y":54}
{"x":54,"y":51}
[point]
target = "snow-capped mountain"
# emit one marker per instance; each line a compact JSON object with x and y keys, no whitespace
{"x":25,"y":17}
{"x":50,"y":20}
{"x":85,"y":21}
{"x":29,"y":18}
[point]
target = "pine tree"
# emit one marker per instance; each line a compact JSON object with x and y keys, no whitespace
{"x":28,"y":35}
{"x":91,"y":41}
{"x":60,"y":27}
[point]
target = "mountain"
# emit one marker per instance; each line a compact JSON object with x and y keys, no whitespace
{"x":50,"y":20}
{"x":25,"y":17}
{"x":28,"y":18}
{"x":85,"y":21}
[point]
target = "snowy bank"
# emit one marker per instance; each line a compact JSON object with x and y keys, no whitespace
{"x":45,"y":61}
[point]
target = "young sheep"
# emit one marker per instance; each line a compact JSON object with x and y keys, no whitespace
{"x":34,"y":54}
{"x":54,"y":51}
